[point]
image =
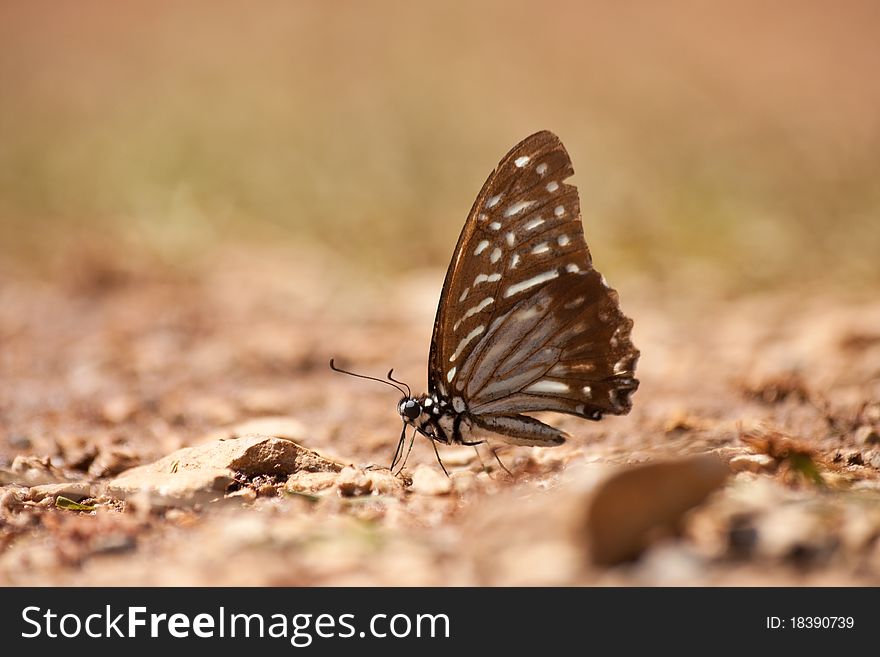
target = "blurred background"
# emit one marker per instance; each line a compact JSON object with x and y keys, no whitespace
{"x":735,"y":144}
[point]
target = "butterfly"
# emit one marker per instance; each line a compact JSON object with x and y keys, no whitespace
{"x":525,"y":323}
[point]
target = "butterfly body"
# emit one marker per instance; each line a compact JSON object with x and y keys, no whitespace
{"x":452,"y":424}
{"x":525,"y":323}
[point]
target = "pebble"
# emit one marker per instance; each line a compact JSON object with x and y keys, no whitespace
{"x":74,"y":490}
{"x":353,"y":481}
{"x":752,"y":463}
{"x":428,"y":480}
{"x":867,"y":435}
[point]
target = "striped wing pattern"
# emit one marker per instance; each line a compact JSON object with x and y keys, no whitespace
{"x":525,"y":323}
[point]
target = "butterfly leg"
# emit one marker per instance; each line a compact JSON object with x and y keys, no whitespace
{"x":482,"y":464}
{"x":437,"y":454}
{"x":497,"y":458}
{"x":408,"y":451}
{"x":494,"y":453}
{"x":398,"y":452}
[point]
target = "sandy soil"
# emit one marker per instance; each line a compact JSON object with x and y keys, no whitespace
{"x":118,"y":362}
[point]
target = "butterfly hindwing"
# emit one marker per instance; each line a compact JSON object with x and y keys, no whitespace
{"x":525,"y":323}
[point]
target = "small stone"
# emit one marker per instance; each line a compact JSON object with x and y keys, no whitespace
{"x":386,"y":483}
{"x":74,"y":490}
{"x":113,"y":461}
{"x":353,"y":481}
{"x":180,"y":516}
{"x":267,"y":490}
{"x":30,"y":471}
{"x":194,"y":475}
{"x":12,"y":497}
{"x":311,"y":482}
{"x":867,"y":435}
{"x":180,"y":488}
{"x":427,"y":480}
{"x":634,"y":505}
{"x":752,"y":463}
{"x":243,"y":495}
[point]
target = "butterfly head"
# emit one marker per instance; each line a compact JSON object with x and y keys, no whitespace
{"x":410,"y":409}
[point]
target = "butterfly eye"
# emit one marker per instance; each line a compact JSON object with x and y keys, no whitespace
{"x":410,"y":409}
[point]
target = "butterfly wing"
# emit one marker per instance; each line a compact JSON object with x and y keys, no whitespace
{"x":525,"y":323}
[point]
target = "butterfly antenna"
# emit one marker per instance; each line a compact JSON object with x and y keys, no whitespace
{"x":406,"y":385}
{"x":369,"y":378}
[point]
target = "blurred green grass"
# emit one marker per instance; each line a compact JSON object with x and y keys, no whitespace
{"x":731,"y":142}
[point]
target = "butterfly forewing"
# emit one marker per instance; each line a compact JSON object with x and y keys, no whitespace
{"x":525,"y":323}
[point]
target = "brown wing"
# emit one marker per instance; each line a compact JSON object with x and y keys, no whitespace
{"x":525,"y":323}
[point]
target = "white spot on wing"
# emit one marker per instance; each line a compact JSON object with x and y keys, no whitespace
{"x":428,"y":402}
{"x":514,"y":261}
{"x":519,"y":206}
{"x":563,"y":240}
{"x":464,"y":294}
{"x":496,"y":255}
{"x":559,"y":211}
{"x":522,"y":161}
{"x":540,"y":248}
{"x":458,"y":404}
{"x":552,"y":186}
{"x":541,"y":168}
{"x":492,"y":201}
{"x":587,"y":390}
{"x":473,"y":311}
{"x":494,"y":225}
{"x":451,"y":374}
{"x":531,"y":282}
{"x":547,"y":386}
{"x":465,"y":341}
{"x":534,"y":223}
{"x":482,"y":246}
{"x":511,"y":239}
{"x":572,"y":268}
{"x":482,"y":278}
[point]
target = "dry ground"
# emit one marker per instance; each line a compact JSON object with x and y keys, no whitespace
{"x":110,"y":362}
